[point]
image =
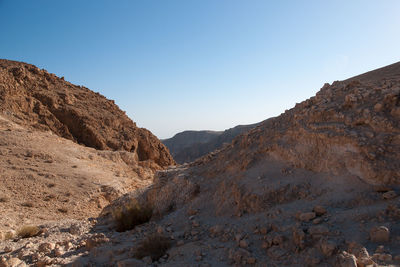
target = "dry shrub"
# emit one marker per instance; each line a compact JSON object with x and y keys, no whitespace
{"x":27,"y":204}
{"x":154,"y":246}
{"x":132,"y":216}
{"x":63,"y":210}
{"x":8,"y":235}
{"x":4,"y":199}
{"x":28,"y":231}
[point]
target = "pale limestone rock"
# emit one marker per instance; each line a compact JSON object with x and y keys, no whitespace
{"x":346,"y":260}
{"x":319,"y":210}
{"x":307,"y":216}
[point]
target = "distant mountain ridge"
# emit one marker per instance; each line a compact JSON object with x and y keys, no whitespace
{"x":188,"y":146}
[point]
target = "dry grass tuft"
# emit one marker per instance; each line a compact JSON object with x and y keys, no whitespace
{"x":132,"y":216}
{"x":28,"y":231}
{"x":63,"y":210}
{"x":4,"y":199}
{"x":27,"y":204}
{"x":154,"y":246}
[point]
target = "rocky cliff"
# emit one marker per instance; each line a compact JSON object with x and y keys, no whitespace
{"x":33,"y":97}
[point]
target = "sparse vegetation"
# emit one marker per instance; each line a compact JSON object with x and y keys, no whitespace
{"x":132,"y":216}
{"x":154,"y":246}
{"x":28,"y":231}
{"x":8,"y":235}
{"x":27,"y":204}
{"x":4,"y":199}
{"x":63,"y":210}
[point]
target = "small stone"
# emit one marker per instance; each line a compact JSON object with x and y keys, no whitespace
{"x":8,"y":249}
{"x":263,"y":230}
{"x":147,"y":260}
{"x":346,"y":260}
{"x":194,"y":232}
{"x":307,"y":216}
{"x":378,"y":107}
{"x":379,"y":234}
{"x":195,"y":224}
{"x":327,"y":248}
{"x":46,"y":247}
{"x":180,"y":243}
{"x":59,"y":251}
{"x":199,"y":258}
{"x":319,"y":210}
{"x":75,"y":230}
{"x":243,"y":244}
{"x":380,"y":249}
{"x":29,"y":245}
{"x":317,"y":220}
{"x":251,"y":260}
{"x":216,"y":229}
{"x":385,"y":257}
{"x":318,"y":230}
{"x":389,"y":195}
{"x":160,"y":229}
{"x":96,"y":240}
{"x":69,"y":245}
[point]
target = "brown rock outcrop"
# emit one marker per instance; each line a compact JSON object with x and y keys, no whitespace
{"x":351,"y":126}
{"x":33,"y":97}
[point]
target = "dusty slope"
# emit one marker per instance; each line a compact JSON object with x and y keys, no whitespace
{"x":44,"y":177}
{"x":190,"y":145}
{"x":33,"y":97}
{"x":351,"y":126}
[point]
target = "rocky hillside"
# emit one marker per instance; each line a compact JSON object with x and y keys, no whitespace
{"x":351,"y":126}
{"x":188,"y":146}
{"x":33,"y":97}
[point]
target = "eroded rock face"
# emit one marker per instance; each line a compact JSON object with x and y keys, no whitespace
{"x":351,"y":126}
{"x":34,"y":97}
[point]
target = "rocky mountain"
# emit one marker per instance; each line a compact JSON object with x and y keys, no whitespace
{"x":188,"y":146}
{"x":65,"y":151}
{"x":316,"y":186}
{"x":35,"y":98}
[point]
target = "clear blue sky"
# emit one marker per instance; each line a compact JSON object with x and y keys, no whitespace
{"x":202,"y":64}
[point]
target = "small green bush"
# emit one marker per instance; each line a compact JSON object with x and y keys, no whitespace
{"x":155,"y":246}
{"x":28,"y":231}
{"x":132,"y":216}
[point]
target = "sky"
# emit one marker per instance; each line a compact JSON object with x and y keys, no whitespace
{"x":202,"y":65}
